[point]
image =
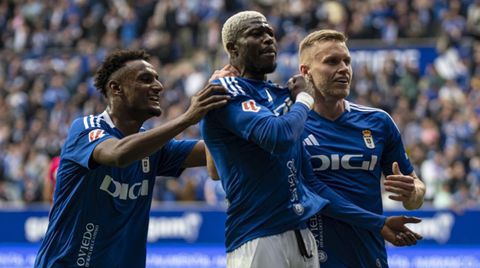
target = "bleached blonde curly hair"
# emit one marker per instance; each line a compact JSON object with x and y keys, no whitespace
{"x":237,"y":23}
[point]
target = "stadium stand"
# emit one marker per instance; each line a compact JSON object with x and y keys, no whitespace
{"x":48,"y":50}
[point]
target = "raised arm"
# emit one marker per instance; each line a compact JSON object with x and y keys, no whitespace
{"x":277,"y":134}
{"x":122,"y":152}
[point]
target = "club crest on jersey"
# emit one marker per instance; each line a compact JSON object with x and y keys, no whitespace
{"x":368,"y":139}
{"x":95,"y":134}
{"x":298,"y":208}
{"x":250,"y":106}
{"x":146,"y":165}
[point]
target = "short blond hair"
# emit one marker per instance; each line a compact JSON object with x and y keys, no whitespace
{"x":315,"y":37}
{"x":237,"y":23}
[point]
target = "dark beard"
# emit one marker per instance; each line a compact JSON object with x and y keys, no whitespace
{"x":155,"y":112}
{"x":263,"y":69}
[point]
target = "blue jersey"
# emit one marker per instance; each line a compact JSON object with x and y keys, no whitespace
{"x":100,"y":213}
{"x":257,"y":149}
{"x":349,"y":155}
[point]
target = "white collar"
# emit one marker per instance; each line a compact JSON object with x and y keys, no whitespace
{"x":347,"y":105}
{"x":107,"y":118}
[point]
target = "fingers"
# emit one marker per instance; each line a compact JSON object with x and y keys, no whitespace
{"x":210,"y":89}
{"x":400,"y":178}
{"x":214,"y":105}
{"x":227,"y":70}
{"x":405,"y":239}
{"x":396,"y":169}
{"x":400,"y":191}
{"x":220,"y":99}
{"x":409,"y":239}
{"x":399,"y":198}
{"x":231,"y":69}
{"x":411,"y":233}
{"x":411,"y":219}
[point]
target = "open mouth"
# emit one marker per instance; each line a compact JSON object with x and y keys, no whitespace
{"x":154,"y":99}
{"x":342,"y":80}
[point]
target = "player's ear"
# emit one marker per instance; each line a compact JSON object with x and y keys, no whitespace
{"x":305,"y":70}
{"x":114,"y":87}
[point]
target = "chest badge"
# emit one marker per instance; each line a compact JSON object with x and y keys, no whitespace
{"x":368,"y":139}
{"x":146,"y":165}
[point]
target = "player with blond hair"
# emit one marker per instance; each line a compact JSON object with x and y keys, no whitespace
{"x":351,"y":146}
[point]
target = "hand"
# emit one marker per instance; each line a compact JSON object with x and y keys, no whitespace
{"x":210,"y":97}
{"x":227,"y":70}
{"x":299,"y":83}
{"x":395,"y":231}
{"x":403,"y":186}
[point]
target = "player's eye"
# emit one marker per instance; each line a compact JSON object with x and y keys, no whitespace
{"x":147,"y":78}
{"x":332,"y":61}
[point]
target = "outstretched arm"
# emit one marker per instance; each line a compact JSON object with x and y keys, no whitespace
{"x":392,"y":229}
{"x":122,"y":152}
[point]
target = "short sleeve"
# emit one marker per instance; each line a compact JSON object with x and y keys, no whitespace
{"x":172,"y":155}
{"x":83,"y":137}
{"x":394,"y":149}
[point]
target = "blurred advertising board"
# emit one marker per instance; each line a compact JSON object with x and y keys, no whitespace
{"x":192,"y":236}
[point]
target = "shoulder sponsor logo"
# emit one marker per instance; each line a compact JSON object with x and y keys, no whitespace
{"x":95,"y":134}
{"x":250,"y":106}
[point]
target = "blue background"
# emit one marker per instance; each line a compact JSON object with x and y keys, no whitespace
{"x":192,"y":236}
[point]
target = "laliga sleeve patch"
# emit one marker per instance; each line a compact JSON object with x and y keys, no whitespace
{"x":95,"y":134}
{"x":250,"y":106}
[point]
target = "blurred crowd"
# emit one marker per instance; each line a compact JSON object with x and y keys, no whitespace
{"x":49,"y":51}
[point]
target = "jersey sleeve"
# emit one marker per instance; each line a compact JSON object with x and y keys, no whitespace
{"x":84,"y":135}
{"x":247,"y":118}
{"x":394,"y":149}
{"x":340,"y":208}
{"x":172,"y":156}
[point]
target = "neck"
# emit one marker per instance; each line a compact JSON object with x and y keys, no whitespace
{"x":248,"y":74}
{"x":124,"y":121}
{"x":330,"y":109}
{"x":254,"y":76}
